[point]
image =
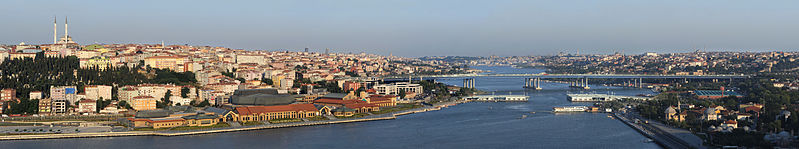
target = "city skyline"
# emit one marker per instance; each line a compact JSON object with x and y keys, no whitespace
{"x":416,"y":28}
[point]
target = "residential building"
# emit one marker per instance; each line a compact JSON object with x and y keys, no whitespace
{"x":35,"y":95}
{"x":97,"y":92}
{"x":8,"y":95}
{"x":174,"y":63}
{"x":139,"y":103}
{"x":45,"y":106}
{"x":87,"y":106}
{"x":65,"y":93}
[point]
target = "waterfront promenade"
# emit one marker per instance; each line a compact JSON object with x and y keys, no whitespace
{"x":386,"y":116}
{"x":668,"y":138}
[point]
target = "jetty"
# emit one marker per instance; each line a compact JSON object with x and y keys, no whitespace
{"x":497,"y":98}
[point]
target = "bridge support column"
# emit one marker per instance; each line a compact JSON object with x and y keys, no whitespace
{"x":526,"y":82}
{"x":538,"y":83}
{"x":640,"y":82}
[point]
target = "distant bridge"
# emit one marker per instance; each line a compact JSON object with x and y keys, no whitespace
{"x":610,"y":76}
{"x":532,"y":81}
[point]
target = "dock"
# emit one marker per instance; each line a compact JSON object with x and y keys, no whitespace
{"x":601,"y":97}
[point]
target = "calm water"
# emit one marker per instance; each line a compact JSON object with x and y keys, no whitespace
{"x":471,"y":125}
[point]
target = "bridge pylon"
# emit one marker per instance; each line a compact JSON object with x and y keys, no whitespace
{"x":532,"y":83}
{"x":580,"y":83}
{"x":468,"y":83}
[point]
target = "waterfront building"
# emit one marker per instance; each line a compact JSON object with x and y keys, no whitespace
{"x":383,"y":100}
{"x":223,"y":114}
{"x":87,"y":106}
{"x":362,"y":107}
{"x":157,"y":123}
{"x":59,"y":106}
{"x":139,"y":103}
{"x":264,"y":113}
{"x":201,"y":119}
{"x":45,"y":106}
{"x":393,"y":89}
{"x":343,"y":112}
{"x":65,"y":93}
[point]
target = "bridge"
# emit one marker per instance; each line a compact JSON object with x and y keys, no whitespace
{"x":610,"y":76}
{"x":532,"y":81}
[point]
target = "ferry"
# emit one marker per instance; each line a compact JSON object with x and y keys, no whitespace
{"x":570,"y":109}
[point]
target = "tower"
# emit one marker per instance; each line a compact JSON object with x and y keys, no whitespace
{"x":66,"y":27}
{"x":306,"y":49}
{"x":327,"y":50}
{"x":55,"y":30}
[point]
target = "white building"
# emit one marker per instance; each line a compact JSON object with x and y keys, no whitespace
{"x":393,"y":89}
{"x":95,"y":92}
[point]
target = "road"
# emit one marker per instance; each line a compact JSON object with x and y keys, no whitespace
{"x":664,"y":138}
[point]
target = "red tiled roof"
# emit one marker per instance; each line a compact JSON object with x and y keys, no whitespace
{"x":269,"y":109}
{"x":752,"y":108}
{"x":336,"y":101}
{"x":359,"y":105}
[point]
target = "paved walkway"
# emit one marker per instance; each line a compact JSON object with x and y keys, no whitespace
{"x":682,"y":134}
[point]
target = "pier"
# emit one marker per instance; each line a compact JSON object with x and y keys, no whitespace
{"x":498,"y":98}
{"x":601,"y":97}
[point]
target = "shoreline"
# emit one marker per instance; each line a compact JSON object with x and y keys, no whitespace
{"x":662,"y":138}
{"x":387,"y":116}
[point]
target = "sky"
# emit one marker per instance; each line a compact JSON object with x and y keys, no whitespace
{"x":415,"y":28}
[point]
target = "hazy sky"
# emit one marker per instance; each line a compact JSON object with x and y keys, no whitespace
{"x":418,"y":27}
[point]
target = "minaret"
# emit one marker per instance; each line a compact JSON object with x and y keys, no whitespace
{"x":66,"y":29}
{"x":55,"y":30}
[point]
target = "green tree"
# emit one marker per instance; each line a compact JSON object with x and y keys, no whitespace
{"x":205,"y":103}
{"x":401,"y":93}
{"x":184,"y":92}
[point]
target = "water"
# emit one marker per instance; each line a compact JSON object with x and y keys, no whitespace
{"x":470,"y":125}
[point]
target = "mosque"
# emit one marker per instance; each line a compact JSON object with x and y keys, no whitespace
{"x":66,"y":39}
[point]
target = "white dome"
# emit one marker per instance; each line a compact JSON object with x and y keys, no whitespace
{"x":670,"y":110}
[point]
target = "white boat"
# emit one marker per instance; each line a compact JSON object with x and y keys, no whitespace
{"x":570,"y":109}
